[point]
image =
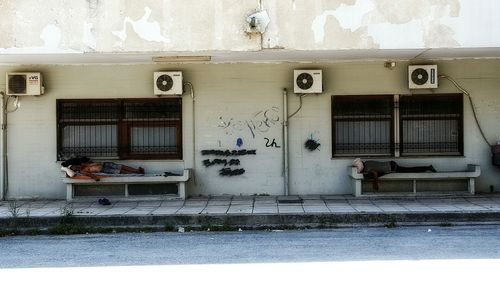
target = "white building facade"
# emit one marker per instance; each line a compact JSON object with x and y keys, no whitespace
{"x":99,"y":54}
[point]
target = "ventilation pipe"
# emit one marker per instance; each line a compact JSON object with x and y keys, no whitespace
{"x":285,"y":142}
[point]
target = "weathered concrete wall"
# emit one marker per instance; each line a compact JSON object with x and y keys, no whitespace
{"x":382,"y":24}
{"x":125,"y":26}
{"x":76,"y":26}
{"x":229,"y":97}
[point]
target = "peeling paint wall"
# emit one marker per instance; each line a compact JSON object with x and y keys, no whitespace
{"x":126,"y":26}
{"x":245,"y":101}
{"x":384,"y":24}
{"x":78,"y":26}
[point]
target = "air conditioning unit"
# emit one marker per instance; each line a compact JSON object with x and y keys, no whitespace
{"x":168,"y":83}
{"x":422,"y":76}
{"x":307,"y":81}
{"x":24,"y":84}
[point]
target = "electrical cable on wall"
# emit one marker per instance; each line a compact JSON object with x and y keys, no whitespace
{"x":471,"y":104}
{"x":16,"y":104}
{"x":300,"y":106}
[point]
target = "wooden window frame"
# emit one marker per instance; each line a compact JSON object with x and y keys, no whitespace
{"x":459,"y":119}
{"x":124,"y":127}
{"x":355,"y":98}
{"x":397,"y":149}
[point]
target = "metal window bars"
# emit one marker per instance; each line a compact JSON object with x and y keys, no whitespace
{"x":428,"y":125}
{"x":120,"y":128}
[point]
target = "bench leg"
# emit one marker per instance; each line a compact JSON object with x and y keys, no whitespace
{"x":357,"y":187}
{"x":69,"y":192}
{"x":414,"y":186}
{"x":182,"y":190}
{"x":471,"y":186}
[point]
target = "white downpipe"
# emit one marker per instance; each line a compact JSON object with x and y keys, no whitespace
{"x":285,"y":142}
{"x":193,"y":131}
{"x":3,"y":152}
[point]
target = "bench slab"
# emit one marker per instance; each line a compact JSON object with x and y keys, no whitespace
{"x":147,"y":178}
{"x":472,"y":172}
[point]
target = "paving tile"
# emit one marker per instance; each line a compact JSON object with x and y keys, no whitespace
{"x":334,"y":197}
{"x":165,"y":211}
{"x":391,"y":208}
{"x":240,"y":209}
{"x":125,"y":204}
{"x":290,"y":208}
{"x":93,"y":211}
{"x":219,"y":203}
{"x":415,"y":207}
{"x":172,"y":203}
{"x":84,"y":212}
{"x":337,"y":205}
{"x":141,"y":211}
{"x":155,"y":203}
{"x":443,"y":207}
{"x":315,"y":206}
{"x":316,"y":209}
{"x":221,"y":197}
{"x":79,"y":205}
{"x":243,"y":198}
{"x":265,"y":209}
{"x":492,"y":207}
{"x":104,"y":211}
{"x":186,"y":210}
{"x":471,"y":207}
{"x":46,"y":212}
{"x":265,"y":199}
{"x":313,"y":202}
{"x":311,"y":197}
{"x":242,"y":202}
{"x":196,"y":203}
{"x":115,"y":211}
{"x":364,"y":206}
{"x":215,"y":209}
{"x":265,"y":205}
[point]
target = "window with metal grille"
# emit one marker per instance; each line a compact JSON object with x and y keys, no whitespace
{"x":431,"y":124}
{"x":120,"y":128}
{"x":362,"y":125}
{"x":428,"y":125}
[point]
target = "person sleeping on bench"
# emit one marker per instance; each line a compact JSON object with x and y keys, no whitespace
{"x":375,"y":169}
{"x":83,"y":166}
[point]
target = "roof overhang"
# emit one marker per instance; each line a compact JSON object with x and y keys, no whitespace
{"x":264,"y":56}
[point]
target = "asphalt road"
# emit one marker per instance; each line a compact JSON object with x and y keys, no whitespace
{"x":356,"y":244}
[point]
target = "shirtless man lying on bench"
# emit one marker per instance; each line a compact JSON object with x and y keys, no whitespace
{"x":85,"y":167}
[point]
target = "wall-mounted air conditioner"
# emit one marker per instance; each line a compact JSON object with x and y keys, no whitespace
{"x":307,"y":81}
{"x":168,"y":83}
{"x":24,"y":84}
{"x":422,"y":76}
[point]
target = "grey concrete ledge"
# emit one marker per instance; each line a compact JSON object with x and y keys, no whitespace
{"x":259,"y":221}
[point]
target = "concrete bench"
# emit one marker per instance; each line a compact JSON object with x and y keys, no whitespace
{"x":472,"y":172}
{"x":146,"y":179}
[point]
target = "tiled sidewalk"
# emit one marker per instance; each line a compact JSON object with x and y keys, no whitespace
{"x":258,"y":205}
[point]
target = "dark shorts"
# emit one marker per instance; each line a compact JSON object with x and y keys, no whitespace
{"x":111,"y":168}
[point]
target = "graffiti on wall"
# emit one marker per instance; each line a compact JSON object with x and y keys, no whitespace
{"x":271,"y":143}
{"x":312,"y":144}
{"x":228,"y":164}
{"x":260,"y":122}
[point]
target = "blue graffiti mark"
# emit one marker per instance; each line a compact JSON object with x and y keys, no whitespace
{"x":239,"y":142}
